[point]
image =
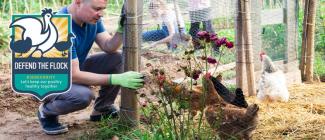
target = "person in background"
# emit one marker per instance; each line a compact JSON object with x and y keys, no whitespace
{"x":103,"y":69}
{"x":200,"y":13}
{"x":170,"y":25}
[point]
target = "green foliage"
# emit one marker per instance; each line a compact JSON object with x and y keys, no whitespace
{"x":228,"y":33}
{"x":271,"y":4}
{"x":231,"y":87}
{"x":35,"y":6}
{"x":109,"y":128}
{"x":320,"y":28}
{"x":227,"y":75}
{"x":273,"y":40}
{"x":319,"y":64}
{"x":228,"y":57}
{"x":300,"y":30}
{"x":223,"y":23}
{"x":4,"y":37}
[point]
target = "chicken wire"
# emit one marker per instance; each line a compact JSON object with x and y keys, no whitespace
{"x":188,"y":13}
{"x":273,"y":35}
{"x":222,"y":14}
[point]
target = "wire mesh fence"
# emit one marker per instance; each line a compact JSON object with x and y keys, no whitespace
{"x":219,"y":16}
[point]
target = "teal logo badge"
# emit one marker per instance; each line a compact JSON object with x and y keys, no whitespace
{"x":41,"y":58}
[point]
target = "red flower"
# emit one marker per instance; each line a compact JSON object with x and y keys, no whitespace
{"x":220,"y":42}
{"x":196,"y":74}
{"x":207,"y":75}
{"x":213,"y":37}
{"x":161,"y":79}
{"x":229,"y":44}
{"x":202,"y":34}
{"x":223,"y":40}
{"x":211,"y":60}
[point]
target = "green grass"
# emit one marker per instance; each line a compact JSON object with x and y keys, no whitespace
{"x":231,"y":87}
{"x":4,"y":37}
{"x":111,"y":127}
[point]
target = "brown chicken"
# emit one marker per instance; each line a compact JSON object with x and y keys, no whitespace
{"x":228,"y":120}
{"x":232,"y":122}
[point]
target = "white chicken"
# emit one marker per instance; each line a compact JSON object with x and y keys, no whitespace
{"x":272,"y":84}
{"x":43,"y":33}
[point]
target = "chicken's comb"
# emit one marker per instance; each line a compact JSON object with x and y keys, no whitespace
{"x":45,"y":11}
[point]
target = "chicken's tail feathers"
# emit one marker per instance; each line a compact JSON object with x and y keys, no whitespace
{"x":240,"y":100}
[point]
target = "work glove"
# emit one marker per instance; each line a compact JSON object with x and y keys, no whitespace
{"x":130,"y":79}
{"x":122,"y":20}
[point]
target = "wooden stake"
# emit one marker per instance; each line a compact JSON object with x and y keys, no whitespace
{"x":239,"y":48}
{"x":302,"y":65}
{"x":310,"y":40}
{"x":129,"y":105}
{"x":248,"y":48}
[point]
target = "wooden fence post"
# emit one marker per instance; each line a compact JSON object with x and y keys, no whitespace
{"x":248,"y":48}
{"x":240,"y":61}
{"x":302,"y":65}
{"x":129,"y":105}
{"x":310,"y":40}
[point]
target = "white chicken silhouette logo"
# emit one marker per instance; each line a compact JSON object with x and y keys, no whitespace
{"x":38,"y":33}
{"x":41,"y":56}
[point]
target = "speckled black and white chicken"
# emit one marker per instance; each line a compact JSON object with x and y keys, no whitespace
{"x":272,"y":84}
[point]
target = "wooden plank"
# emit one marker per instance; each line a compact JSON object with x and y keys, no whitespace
{"x":272,"y":16}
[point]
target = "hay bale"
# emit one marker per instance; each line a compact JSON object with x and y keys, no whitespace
{"x":303,"y":117}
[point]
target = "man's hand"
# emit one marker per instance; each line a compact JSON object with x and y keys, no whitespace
{"x":122,"y":21}
{"x":130,"y":79}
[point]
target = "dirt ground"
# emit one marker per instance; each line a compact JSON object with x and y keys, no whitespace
{"x":18,"y":112}
{"x":18,"y":118}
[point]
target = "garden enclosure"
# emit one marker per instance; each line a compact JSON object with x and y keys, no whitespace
{"x":274,"y":29}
